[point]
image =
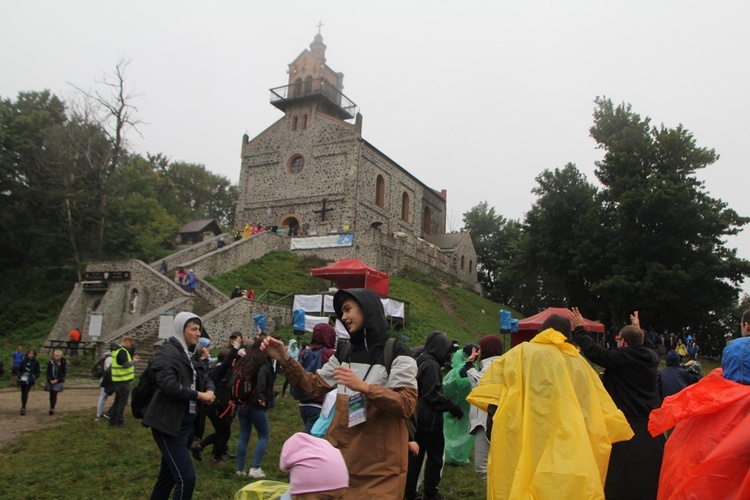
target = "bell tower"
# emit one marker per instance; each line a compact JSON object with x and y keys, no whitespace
{"x":312,"y":80}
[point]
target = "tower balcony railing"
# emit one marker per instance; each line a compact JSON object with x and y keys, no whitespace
{"x":312,"y":88}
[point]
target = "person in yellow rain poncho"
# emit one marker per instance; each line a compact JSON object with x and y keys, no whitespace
{"x":554,"y":423}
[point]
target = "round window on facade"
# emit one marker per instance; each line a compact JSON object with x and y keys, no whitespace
{"x":296,"y":164}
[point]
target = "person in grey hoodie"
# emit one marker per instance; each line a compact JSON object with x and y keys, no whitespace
{"x":171,"y":414}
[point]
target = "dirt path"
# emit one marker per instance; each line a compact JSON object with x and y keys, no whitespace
{"x":78,"y":395}
{"x":447,"y":302}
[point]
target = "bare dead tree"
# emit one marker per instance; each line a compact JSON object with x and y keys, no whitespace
{"x":113,"y":107}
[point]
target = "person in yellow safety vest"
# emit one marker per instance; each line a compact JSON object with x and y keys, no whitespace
{"x":123,"y":373}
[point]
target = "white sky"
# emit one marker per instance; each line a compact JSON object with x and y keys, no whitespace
{"x":473,"y":96}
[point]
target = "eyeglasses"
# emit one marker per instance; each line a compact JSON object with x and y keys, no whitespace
{"x":618,"y":338}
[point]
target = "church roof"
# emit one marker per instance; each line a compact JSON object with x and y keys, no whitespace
{"x":198,"y":226}
{"x":447,"y":241}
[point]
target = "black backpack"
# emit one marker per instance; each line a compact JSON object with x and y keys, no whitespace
{"x":141,"y":396}
{"x":242,"y":387}
{"x":97,"y":369}
{"x":388,"y":352}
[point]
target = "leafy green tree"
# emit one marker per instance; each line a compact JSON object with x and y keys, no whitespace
{"x":495,"y":240}
{"x":27,"y":218}
{"x":665,"y":244}
{"x":139,"y":228}
{"x":560,"y":252}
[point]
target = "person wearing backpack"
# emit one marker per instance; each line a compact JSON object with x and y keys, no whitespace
{"x":372,"y":401}
{"x":219,"y":413}
{"x":171,"y":413}
{"x":322,"y":347}
{"x":256,"y":374}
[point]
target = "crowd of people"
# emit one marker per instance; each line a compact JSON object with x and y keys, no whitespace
{"x":541,"y":422}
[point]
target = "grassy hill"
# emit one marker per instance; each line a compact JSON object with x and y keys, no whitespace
{"x":430,"y":304}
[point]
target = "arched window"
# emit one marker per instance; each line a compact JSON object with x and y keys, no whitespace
{"x":427,"y":221}
{"x":297,"y":88}
{"x":462,"y":262}
{"x":405,"y":207}
{"x":304,"y":121}
{"x":380,"y":191}
{"x":471,"y":266}
{"x":294,"y":123}
{"x":308,"y":85}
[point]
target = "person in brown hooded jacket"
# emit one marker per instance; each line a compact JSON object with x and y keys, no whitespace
{"x":372,"y":403}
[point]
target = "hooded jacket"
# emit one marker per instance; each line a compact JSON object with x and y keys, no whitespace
{"x":558,"y":422}
{"x":323,"y":337}
{"x":175,"y":369}
{"x":674,"y":378}
{"x":375,"y":451}
{"x":432,"y":402}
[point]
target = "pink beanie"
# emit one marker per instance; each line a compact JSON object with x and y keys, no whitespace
{"x":313,"y":465}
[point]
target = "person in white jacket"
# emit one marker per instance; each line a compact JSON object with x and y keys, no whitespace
{"x":105,"y":387}
{"x":490,"y":348}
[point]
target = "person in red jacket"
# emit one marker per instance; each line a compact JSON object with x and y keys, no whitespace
{"x":75,"y":338}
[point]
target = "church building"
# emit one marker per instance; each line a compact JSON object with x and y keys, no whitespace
{"x":312,"y":172}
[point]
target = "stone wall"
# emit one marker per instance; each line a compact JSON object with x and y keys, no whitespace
{"x":241,"y":252}
{"x":190,"y":253}
{"x":154,"y":290}
{"x":237,"y":315}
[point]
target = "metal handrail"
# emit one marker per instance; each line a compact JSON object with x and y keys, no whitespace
{"x":317,"y":86}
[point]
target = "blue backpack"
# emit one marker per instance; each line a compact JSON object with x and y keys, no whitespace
{"x":312,"y":361}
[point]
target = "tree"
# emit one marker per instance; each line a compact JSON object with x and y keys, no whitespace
{"x":113,"y":109}
{"x":560,"y":253}
{"x":495,"y":239}
{"x":666,"y":250}
{"x":26,"y":214}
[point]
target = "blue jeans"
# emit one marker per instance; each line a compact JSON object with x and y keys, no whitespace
{"x":250,"y":417}
{"x":310,"y":415}
{"x":176,"y":465}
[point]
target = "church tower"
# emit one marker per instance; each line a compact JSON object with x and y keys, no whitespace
{"x":311,"y":81}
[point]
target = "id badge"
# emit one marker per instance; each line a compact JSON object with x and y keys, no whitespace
{"x":357,"y":409}
{"x":193,"y":407}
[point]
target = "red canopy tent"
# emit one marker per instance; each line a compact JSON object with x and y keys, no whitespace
{"x":353,"y":273}
{"x":528,"y":327}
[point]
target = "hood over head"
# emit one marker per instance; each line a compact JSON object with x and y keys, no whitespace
{"x":324,"y":335}
{"x":375,"y":330}
{"x":438,"y":345}
{"x":178,"y":326}
{"x":735,"y":361}
{"x":489,"y":346}
{"x":673,"y":359}
{"x":292,"y":343}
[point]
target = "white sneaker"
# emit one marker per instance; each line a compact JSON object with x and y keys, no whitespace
{"x":256,"y":473}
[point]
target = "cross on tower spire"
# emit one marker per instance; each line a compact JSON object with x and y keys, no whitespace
{"x":319,"y":25}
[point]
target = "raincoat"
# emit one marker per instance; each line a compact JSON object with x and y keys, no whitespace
{"x":708,"y":454}
{"x":458,"y":441}
{"x":554,"y":423}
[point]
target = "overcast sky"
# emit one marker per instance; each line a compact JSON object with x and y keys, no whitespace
{"x":476,"y":97}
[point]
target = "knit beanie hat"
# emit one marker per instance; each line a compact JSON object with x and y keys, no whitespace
{"x":313,"y":464}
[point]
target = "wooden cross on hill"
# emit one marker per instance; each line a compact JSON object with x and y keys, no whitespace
{"x":322,"y":211}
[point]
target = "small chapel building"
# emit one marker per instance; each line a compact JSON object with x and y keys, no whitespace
{"x":312,"y":173}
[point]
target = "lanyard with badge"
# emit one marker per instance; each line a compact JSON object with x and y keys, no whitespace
{"x":357,"y":402}
{"x":193,"y":403}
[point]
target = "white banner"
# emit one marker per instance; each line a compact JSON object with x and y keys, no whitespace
{"x":341,"y":330}
{"x":311,"y":321}
{"x":308,"y":303}
{"x":393,"y":308}
{"x":327,"y":241}
{"x":165,"y":326}
{"x":95,"y":325}
{"x":328,"y":304}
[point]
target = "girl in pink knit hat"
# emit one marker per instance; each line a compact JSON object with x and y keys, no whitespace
{"x":316,"y":469}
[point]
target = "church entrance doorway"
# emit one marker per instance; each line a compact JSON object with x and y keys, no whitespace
{"x":292,"y":224}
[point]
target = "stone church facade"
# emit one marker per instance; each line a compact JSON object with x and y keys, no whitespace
{"x":312,"y":172}
{"x":313,"y":154}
